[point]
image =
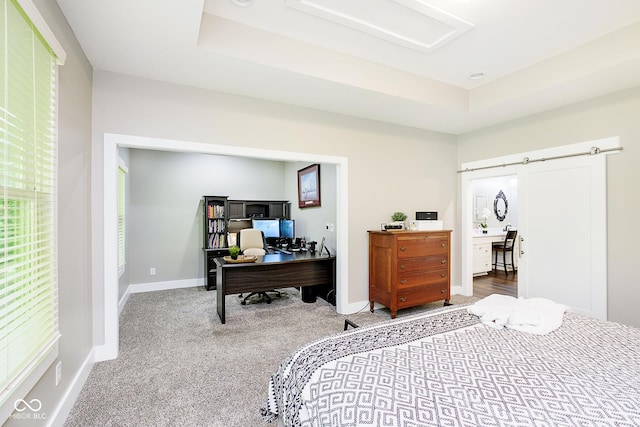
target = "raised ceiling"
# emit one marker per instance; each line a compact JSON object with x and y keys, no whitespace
{"x":406,"y":62}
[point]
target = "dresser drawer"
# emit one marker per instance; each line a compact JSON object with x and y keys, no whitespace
{"x":420,"y":278}
{"x":409,"y":297}
{"x":422,"y":245}
{"x":431,"y":262}
{"x":408,"y":268}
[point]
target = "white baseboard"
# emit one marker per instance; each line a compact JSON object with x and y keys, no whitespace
{"x":61,"y":413}
{"x":163,"y":286}
{"x":156,"y":286}
{"x":356,"y":307}
{"x":459,"y":290}
{"x":123,"y":300}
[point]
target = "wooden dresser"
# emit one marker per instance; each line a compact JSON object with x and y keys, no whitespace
{"x":409,"y":268}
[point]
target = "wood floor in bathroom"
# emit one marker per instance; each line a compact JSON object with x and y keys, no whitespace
{"x":496,"y":282}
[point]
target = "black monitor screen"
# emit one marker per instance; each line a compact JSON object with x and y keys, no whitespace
{"x":287,"y":229}
{"x":270,"y":227}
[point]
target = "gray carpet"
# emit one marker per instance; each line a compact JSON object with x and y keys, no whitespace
{"x":179,"y":366}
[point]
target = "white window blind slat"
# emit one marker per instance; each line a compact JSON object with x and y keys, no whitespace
{"x":121,"y":218}
{"x":28,"y":205}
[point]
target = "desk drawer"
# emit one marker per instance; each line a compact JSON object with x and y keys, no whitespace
{"x":409,"y":297}
{"x":420,"y":278}
{"x":406,"y":265}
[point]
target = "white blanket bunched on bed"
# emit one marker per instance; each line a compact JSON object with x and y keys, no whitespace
{"x":534,"y":315}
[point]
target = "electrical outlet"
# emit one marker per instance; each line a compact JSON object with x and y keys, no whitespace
{"x":330,"y":227}
{"x":58,"y":372}
{"x":152,"y":271}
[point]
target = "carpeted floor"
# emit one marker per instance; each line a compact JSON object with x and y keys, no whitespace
{"x":178,"y":365}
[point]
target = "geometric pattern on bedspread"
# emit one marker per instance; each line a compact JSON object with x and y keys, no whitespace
{"x":286,"y":384}
{"x":585,"y":373}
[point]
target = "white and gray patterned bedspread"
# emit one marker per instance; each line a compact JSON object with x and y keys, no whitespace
{"x":447,"y":369}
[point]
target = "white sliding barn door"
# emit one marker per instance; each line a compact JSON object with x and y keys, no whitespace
{"x":563,"y":231}
{"x":562,"y":223}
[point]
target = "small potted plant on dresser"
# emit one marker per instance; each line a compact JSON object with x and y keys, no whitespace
{"x":234,"y":251}
{"x":398,"y":219}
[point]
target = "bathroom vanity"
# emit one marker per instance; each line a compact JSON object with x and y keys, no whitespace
{"x":482,"y":253}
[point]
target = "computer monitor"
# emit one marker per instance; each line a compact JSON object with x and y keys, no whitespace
{"x":287,"y":229}
{"x":269,"y":227}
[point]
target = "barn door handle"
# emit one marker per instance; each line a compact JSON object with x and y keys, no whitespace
{"x":521,"y":246}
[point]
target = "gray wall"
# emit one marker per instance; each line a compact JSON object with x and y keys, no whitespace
{"x":612,"y":115}
{"x":390,"y":168}
{"x":165,"y":214}
{"x":311,"y":222}
{"x":74,"y":216}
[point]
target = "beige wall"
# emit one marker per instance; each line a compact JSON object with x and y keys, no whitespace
{"x":612,"y":115}
{"x":390,"y":167}
{"x":74,"y":217}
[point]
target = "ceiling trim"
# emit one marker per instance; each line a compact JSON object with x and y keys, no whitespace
{"x":436,"y":27}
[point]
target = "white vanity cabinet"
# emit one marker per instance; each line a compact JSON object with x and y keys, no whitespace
{"x":482,"y":254}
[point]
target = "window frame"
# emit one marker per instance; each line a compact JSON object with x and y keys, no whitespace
{"x":17,"y":383}
{"x":122,"y":216}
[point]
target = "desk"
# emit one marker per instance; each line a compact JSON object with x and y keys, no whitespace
{"x":273,"y":271}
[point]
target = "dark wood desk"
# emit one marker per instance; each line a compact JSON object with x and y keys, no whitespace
{"x":273,"y":271}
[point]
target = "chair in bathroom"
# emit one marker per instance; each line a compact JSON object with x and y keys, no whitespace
{"x":505,"y":247}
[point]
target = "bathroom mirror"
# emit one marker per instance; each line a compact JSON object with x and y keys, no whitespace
{"x":500,"y":206}
{"x":481,"y":205}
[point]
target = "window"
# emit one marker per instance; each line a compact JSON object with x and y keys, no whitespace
{"x":122,"y":254}
{"x":28,"y":204}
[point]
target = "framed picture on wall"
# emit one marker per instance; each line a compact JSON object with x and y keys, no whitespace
{"x":309,"y":186}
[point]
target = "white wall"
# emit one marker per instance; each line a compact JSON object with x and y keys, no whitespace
{"x":489,"y":188}
{"x":612,"y":115}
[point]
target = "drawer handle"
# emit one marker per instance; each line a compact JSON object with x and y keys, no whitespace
{"x":403,"y":299}
{"x":443,"y":244}
{"x":402,"y":267}
{"x":443,"y":274}
{"x":444,"y":261}
{"x":442,"y":291}
{"x":403,"y":248}
{"x":403,"y":281}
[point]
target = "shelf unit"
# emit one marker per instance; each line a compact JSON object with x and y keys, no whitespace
{"x":215,"y":235}
{"x":247,"y":209}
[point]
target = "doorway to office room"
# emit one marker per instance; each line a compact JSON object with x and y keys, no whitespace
{"x":106,"y":298}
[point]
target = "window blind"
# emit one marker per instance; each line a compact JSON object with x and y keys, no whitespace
{"x":28,"y":202}
{"x":121,"y":218}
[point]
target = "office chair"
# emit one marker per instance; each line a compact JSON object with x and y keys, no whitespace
{"x":252,"y":243}
{"x":506,"y":246}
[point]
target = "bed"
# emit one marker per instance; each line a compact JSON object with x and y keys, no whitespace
{"x":448,"y":368}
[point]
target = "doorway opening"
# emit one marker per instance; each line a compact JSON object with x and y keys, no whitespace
{"x":562,"y":223}
{"x":495,"y":211}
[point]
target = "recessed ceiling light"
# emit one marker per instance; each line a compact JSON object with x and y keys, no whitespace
{"x":476,"y":76}
{"x":242,"y":3}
